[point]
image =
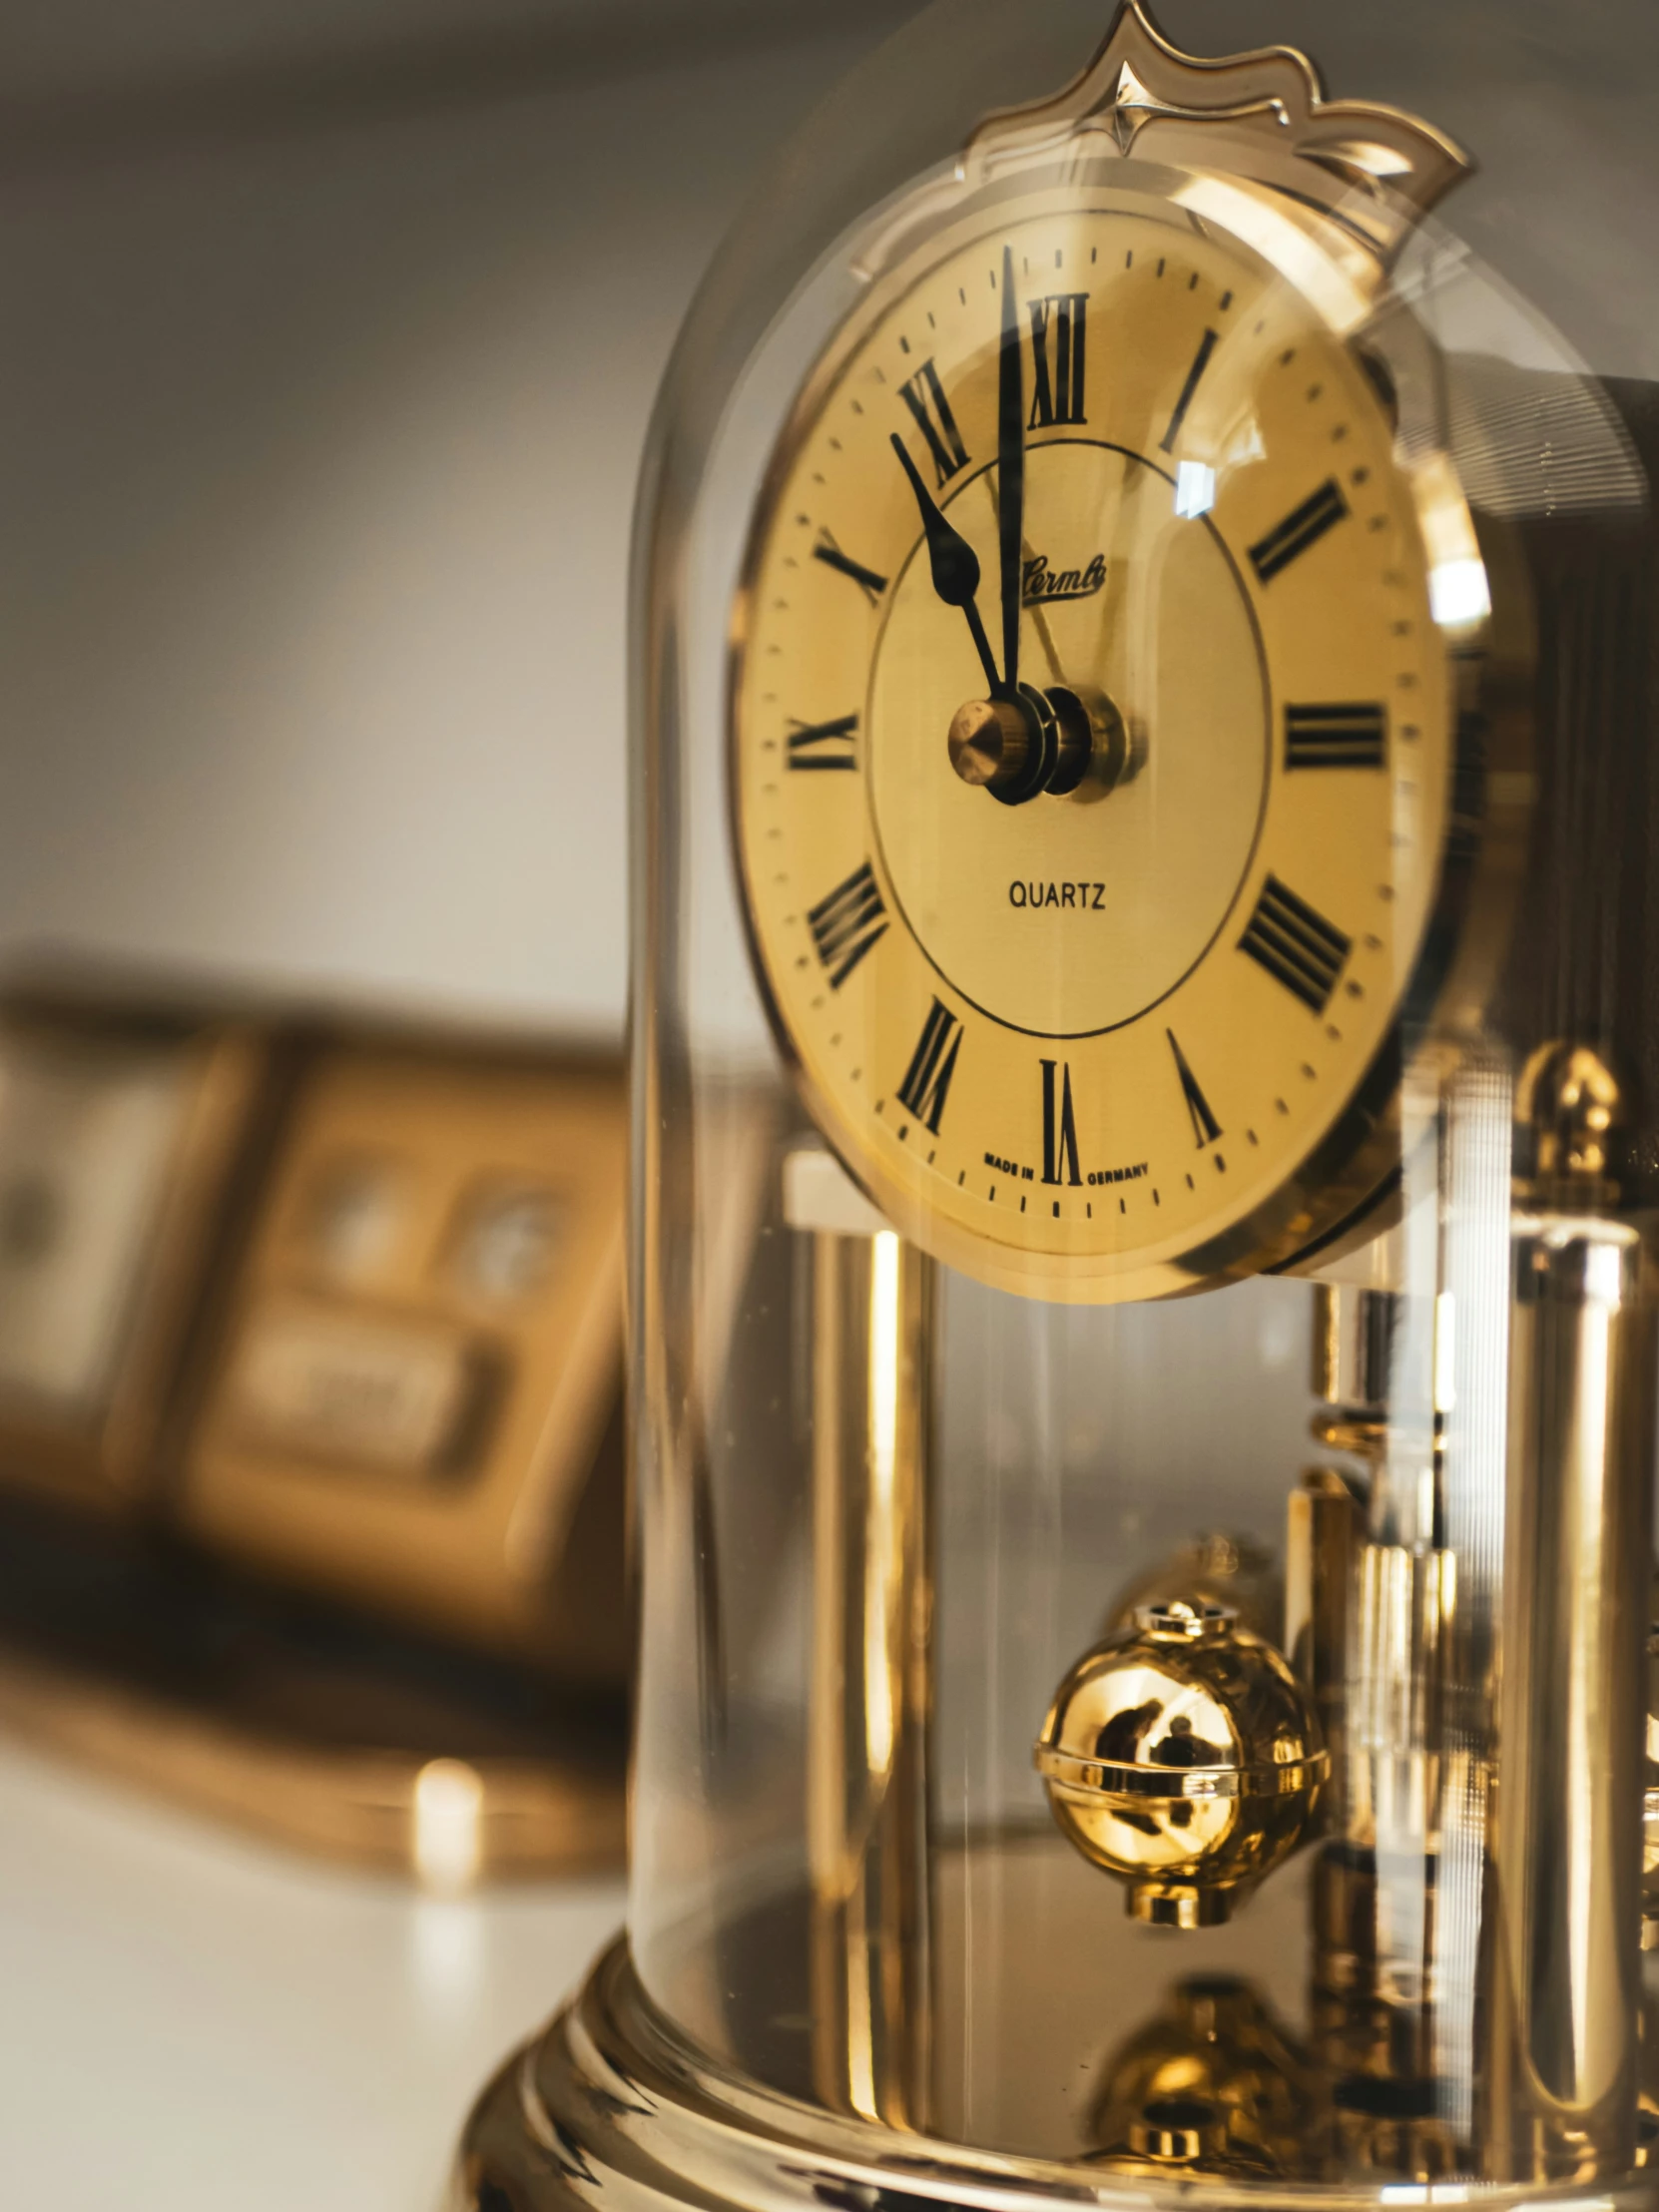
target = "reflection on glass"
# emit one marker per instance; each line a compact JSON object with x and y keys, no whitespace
{"x":1211,"y":2085}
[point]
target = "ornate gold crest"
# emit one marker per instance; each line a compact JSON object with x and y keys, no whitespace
{"x":1370,"y":167}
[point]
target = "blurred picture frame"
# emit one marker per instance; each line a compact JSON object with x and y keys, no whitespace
{"x":129,"y":1139}
{"x":414,"y":1397}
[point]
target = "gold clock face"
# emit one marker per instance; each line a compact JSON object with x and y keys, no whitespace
{"x":1083,"y":972}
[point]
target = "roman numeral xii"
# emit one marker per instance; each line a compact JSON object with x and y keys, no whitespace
{"x":1060,"y":358}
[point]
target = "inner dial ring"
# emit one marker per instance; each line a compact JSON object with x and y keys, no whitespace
{"x":1144,"y":608}
{"x":1224,"y":554}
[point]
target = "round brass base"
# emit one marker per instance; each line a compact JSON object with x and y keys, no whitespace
{"x":610,"y":2108}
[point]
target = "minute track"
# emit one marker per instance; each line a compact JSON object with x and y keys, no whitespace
{"x":1217,"y":757}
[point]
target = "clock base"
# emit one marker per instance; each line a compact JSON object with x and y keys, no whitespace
{"x":609,"y":2106}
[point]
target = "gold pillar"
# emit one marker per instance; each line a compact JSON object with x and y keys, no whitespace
{"x":1322,"y":1536}
{"x":1576,"y":1606}
{"x":867,"y":1778}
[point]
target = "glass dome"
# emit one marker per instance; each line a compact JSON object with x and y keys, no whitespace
{"x":1145,"y":1152}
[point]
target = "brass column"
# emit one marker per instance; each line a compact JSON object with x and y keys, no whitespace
{"x":1574,"y":1620}
{"x":872,"y":1689}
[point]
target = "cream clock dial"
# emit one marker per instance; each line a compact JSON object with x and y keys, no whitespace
{"x":1092,"y":750}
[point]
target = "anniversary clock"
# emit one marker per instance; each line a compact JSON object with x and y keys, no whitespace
{"x":1143,"y":1323}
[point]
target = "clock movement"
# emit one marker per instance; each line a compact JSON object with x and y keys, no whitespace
{"x":1143,"y":1326}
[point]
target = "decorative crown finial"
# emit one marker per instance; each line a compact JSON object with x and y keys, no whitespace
{"x":1375,"y":169}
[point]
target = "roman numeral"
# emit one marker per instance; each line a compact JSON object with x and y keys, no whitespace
{"x":847,"y":923}
{"x":1298,"y":531}
{"x":1297,"y":945}
{"x":926,"y":1086}
{"x":1335,"y":736}
{"x":1205,"y":1127}
{"x":1059,"y":1126}
{"x":924,"y":396}
{"x":1060,"y":329}
{"x":823,"y":743}
{"x":830,"y":554}
{"x":1189,"y":391}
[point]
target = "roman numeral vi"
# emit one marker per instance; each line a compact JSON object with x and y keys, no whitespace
{"x":924,"y":396}
{"x":926,"y":1086}
{"x":1059,"y":334}
{"x":1060,"y":1163}
{"x":1296,"y":944}
{"x":847,"y":923}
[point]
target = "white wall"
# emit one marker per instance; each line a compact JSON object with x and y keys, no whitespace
{"x":317,"y":455}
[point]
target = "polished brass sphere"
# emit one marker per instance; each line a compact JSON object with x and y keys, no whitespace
{"x":1180,"y":1755}
{"x":1216,"y":1568}
{"x":1575,"y":1113}
{"x":1211,"y":2085}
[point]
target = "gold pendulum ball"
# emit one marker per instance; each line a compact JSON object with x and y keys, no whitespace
{"x":1217,"y":2049}
{"x":1216,"y":1568}
{"x":1180,"y":1755}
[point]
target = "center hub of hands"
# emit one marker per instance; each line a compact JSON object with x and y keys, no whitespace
{"x":1021,"y":743}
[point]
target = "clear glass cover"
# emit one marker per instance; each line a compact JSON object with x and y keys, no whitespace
{"x":1142,"y":1317}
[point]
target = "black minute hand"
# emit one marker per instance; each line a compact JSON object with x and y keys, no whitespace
{"x":1011,"y":471}
{"x":954,"y":562}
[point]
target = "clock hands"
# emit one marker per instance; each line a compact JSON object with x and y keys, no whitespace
{"x":955,"y":564}
{"x":1010,"y":470}
{"x":996,"y":741}
{"x":1017,"y":742}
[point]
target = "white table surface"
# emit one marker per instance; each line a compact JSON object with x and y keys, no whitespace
{"x":196,"y":2022}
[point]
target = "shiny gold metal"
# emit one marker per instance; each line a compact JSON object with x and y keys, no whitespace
{"x":1211,"y":2085}
{"x":1090,"y":748}
{"x":1233,"y":1571}
{"x":1374,"y":2027}
{"x":909,"y":848}
{"x":610,"y":2097}
{"x":990,"y":742}
{"x":1323,"y":1526}
{"x":1181,"y":1753}
{"x":1099,"y":748}
{"x":1572,"y":1110}
{"x":1405,"y":1600}
{"x":1386,"y":1910}
{"x":1650,"y":1799}
{"x":1383,"y":171}
{"x":1354,"y":1341}
{"x":871,"y":1687}
{"x":1567,"y":1882}
{"x":1181,"y":1756}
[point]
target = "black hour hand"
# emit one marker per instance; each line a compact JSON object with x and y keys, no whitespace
{"x":954,"y":563}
